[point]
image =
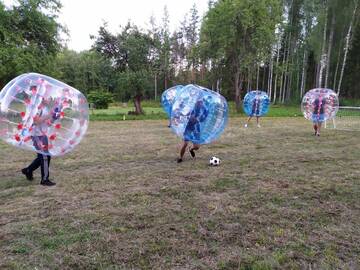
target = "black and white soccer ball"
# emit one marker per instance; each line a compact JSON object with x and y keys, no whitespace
{"x":214,"y":161}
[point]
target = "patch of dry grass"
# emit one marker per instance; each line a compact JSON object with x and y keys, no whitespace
{"x":281,"y":199}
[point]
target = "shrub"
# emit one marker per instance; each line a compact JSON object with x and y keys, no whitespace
{"x":101,"y":100}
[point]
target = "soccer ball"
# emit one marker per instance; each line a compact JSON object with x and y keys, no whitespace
{"x":214,"y":161}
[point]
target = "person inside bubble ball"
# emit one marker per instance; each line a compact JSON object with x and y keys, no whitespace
{"x":41,"y":121}
{"x":318,"y":115}
{"x":255,"y":111}
{"x":193,"y":129}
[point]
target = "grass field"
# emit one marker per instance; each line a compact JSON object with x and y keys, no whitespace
{"x":281,"y":199}
{"x":154,"y":111}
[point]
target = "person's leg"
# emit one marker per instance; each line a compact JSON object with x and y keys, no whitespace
{"x":318,"y":129}
{"x":182,"y":151}
{"x":45,"y":171}
{"x":45,"y":163}
{"x":35,"y":164}
{"x":194,"y":148}
{"x":28,"y":171}
{"x":257,"y":121}
{"x":315,"y":128}
{"x":248,"y":120}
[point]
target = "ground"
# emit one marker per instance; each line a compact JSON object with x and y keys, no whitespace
{"x":281,"y":199}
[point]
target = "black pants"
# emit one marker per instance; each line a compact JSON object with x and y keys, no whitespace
{"x":41,"y":160}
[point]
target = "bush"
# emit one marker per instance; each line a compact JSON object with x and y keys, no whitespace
{"x":101,"y":100}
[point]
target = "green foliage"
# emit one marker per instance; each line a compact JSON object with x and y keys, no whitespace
{"x":100,"y":99}
{"x":236,"y":34}
{"x":131,"y":83}
{"x":240,"y":43}
{"x":29,"y":35}
{"x":128,"y":50}
{"x":85,"y":71}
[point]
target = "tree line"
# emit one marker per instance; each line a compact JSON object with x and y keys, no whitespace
{"x":284,"y":47}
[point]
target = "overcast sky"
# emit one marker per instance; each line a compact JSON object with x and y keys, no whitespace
{"x":84,"y":17}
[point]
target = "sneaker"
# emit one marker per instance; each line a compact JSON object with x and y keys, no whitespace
{"x":258,"y":126}
{"x":179,"y":160}
{"x":245,"y":125}
{"x":192,"y":153}
{"x":28,"y":174}
{"x":318,"y":134}
{"x":47,"y":183}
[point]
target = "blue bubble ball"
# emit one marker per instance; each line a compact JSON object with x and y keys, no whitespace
{"x":198,"y":115}
{"x":168,"y":98}
{"x":256,"y":103}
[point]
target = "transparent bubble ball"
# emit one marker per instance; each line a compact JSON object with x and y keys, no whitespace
{"x":168,"y":98}
{"x":256,"y":103}
{"x":36,"y":106}
{"x":198,"y":115}
{"x":320,"y":104}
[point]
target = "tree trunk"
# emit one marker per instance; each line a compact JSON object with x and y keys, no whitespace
{"x":347,"y":47}
{"x":249,"y":80}
{"x":286,"y":78}
{"x":317,"y":74}
{"x":263,"y":78}
{"x":283,"y":74}
{"x":308,"y":26}
{"x":276,"y":75}
{"x":165,"y":82}
{"x":289,"y":87}
{"x":337,"y":66}
{"x":298,"y":75}
{"x":155,"y":86}
{"x":137,"y":103}
{"x":257,"y":77}
{"x":303,"y":75}
{"x":238,"y":91}
{"x":281,"y":85}
{"x":202,"y":72}
{"x":218,"y":81}
{"x":193,"y":79}
{"x":323,"y":60}
{"x":270,"y":78}
{"x":328,"y":57}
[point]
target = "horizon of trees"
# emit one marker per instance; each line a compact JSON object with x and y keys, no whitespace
{"x":284,"y":47}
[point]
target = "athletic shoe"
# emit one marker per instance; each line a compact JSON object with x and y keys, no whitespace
{"x":258,"y":126}
{"x":245,"y":125}
{"x":179,"y":160}
{"x":192,"y":153}
{"x":47,"y":183}
{"x":28,"y":174}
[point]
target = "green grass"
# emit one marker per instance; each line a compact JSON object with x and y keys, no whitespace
{"x":117,"y":113}
{"x":350,"y":102}
{"x":281,"y":199}
{"x":154,"y":111}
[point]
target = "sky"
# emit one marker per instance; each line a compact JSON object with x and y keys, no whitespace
{"x":84,"y":17}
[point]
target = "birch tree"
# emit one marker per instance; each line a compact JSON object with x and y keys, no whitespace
{"x":347,"y":44}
